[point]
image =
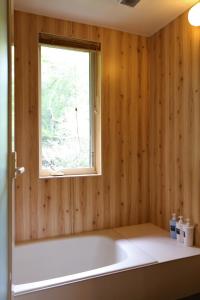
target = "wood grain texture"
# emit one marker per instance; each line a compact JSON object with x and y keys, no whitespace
{"x":49,"y":208}
{"x":174,"y":151}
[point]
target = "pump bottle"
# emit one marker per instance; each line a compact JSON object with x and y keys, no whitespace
{"x":172,"y":224}
{"x":179,"y":230}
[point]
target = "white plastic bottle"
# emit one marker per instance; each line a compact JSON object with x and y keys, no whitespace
{"x":188,"y":234}
{"x":179,"y":230}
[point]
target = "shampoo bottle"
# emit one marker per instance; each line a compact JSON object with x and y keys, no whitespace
{"x":179,"y":230}
{"x":172,"y":224}
{"x":188,"y":234}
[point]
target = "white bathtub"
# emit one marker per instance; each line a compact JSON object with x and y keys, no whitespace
{"x":49,"y":264}
{"x":139,"y":261}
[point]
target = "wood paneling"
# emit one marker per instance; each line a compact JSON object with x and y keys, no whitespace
{"x":49,"y":208}
{"x":168,"y":170}
{"x":174,"y":177}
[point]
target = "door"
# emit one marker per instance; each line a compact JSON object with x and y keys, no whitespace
{"x":4,"y":153}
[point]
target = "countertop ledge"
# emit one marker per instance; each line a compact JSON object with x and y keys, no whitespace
{"x":156,"y":242}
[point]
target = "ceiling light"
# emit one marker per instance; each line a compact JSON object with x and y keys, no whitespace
{"x":194,"y":15}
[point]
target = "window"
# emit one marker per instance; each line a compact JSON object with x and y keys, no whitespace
{"x":70,"y":115}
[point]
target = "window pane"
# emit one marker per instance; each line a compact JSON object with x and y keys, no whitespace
{"x":65,"y":108}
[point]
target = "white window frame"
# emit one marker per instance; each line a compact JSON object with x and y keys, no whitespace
{"x":95,"y":101}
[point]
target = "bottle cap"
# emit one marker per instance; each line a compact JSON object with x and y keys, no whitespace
{"x":180,"y":219}
{"x":188,"y":221}
{"x":174,"y":216}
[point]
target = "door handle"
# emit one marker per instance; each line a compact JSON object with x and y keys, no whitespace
{"x":14,"y":170}
{"x":19,"y":171}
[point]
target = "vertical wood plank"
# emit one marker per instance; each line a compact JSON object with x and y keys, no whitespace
{"x":175,"y":123}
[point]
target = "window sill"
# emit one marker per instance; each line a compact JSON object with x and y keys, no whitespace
{"x":46,"y":175}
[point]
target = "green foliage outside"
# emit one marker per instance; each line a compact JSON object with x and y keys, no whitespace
{"x":65,"y":109}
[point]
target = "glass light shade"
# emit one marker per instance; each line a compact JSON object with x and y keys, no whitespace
{"x":194,"y":15}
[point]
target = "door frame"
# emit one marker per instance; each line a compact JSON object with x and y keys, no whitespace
{"x":6,"y":127}
{"x":10,"y":24}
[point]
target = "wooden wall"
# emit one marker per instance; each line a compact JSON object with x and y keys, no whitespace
{"x":174,"y":177}
{"x":49,"y":208}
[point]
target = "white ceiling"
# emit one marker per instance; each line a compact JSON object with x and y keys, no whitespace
{"x":145,"y":19}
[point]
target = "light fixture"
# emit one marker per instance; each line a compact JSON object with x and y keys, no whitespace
{"x":194,"y":15}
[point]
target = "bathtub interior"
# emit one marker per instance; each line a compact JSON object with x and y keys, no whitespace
{"x":50,"y":259}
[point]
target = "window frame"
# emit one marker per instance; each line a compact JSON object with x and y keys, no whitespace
{"x":95,"y":113}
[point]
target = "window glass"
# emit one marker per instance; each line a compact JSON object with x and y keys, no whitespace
{"x":66,"y":109}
